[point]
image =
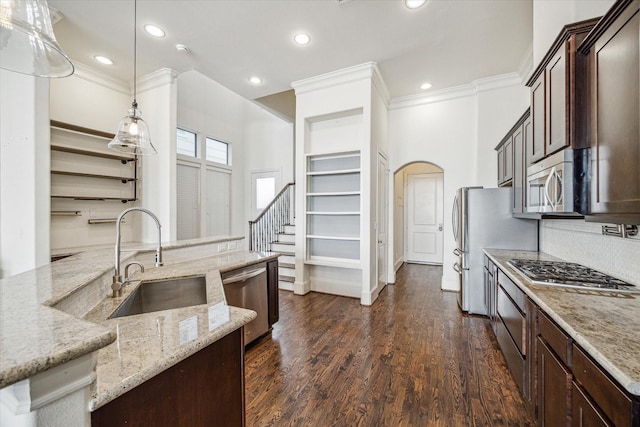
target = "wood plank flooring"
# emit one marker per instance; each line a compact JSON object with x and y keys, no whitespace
{"x":412,"y":359}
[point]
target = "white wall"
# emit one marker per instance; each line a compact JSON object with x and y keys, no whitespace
{"x":498,"y":110}
{"x":24,"y":173}
{"x":259,"y":140}
{"x":455,"y":130}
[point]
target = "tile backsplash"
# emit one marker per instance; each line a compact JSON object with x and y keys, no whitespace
{"x":583,"y":242}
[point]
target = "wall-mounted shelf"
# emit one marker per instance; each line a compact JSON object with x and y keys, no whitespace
{"x":83,"y":168}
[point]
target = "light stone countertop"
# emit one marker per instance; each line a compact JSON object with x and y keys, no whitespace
{"x":605,"y":325}
{"x":147,"y":344}
{"x":35,"y":337}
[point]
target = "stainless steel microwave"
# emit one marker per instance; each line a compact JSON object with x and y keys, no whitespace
{"x":554,"y":187}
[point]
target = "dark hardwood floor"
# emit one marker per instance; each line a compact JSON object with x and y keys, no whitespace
{"x":412,"y":359}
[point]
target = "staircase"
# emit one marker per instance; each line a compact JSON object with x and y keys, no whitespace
{"x":285,"y":244}
{"x":273,"y":230}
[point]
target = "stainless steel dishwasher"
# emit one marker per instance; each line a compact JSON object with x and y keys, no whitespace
{"x":247,"y":288}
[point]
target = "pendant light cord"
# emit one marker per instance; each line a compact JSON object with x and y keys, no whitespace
{"x":135,"y":51}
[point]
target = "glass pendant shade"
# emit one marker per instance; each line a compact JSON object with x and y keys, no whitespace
{"x":27,"y":42}
{"x":132,"y":136}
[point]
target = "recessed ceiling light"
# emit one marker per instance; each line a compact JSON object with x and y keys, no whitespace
{"x":302,"y":39}
{"x":182,"y":48}
{"x":154,"y":30}
{"x":425,"y":86}
{"x":414,"y":4}
{"x":103,"y":60}
{"x":255,"y":80}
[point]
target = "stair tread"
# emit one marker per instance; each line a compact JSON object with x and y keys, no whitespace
{"x":284,"y":243}
{"x":286,"y":278}
{"x":286,"y":265}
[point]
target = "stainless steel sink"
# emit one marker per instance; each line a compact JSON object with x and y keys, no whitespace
{"x":164,"y":295}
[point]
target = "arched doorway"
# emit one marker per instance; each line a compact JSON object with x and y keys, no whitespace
{"x":418,"y":214}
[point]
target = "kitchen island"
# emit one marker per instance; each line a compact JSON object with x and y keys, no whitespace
{"x":55,"y":319}
{"x":591,"y":338}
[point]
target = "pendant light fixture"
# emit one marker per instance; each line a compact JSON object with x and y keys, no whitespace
{"x":133,"y":136}
{"x":27,"y":43}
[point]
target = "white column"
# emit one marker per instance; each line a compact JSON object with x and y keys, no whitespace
{"x":24,"y":173}
{"x":157,"y":99}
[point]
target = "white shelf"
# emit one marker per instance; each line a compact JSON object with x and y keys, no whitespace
{"x":333,"y":213}
{"x":325,"y":237}
{"x":333,"y":262}
{"x":334,"y":172}
{"x":335,"y":193}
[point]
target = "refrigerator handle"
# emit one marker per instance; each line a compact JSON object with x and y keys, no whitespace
{"x":455,"y":217}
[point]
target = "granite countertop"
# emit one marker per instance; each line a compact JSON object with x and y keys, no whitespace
{"x":147,"y":344}
{"x":603,"y":324}
{"x":36,"y":337}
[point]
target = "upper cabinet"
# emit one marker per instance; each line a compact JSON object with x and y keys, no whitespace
{"x":558,"y":94}
{"x":512,"y":162}
{"x":613,"y":53}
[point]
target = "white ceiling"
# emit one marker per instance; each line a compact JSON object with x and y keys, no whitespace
{"x":445,"y":42}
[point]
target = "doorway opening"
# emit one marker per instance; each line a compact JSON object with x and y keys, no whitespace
{"x":418,"y":214}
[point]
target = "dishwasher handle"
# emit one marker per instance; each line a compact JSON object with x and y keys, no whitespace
{"x":243,"y":276}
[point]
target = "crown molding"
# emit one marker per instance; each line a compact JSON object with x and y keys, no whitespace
{"x":336,"y":78}
{"x":92,"y":75}
{"x":380,"y":86}
{"x":462,"y":91}
{"x":161,"y":77}
{"x":525,"y":69}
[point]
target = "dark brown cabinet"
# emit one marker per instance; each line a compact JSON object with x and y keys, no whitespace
{"x":558,"y":93}
{"x":584,"y":412}
{"x":273,"y":299}
{"x":505,"y":163}
{"x":205,"y":389}
{"x":512,"y":166}
{"x":613,"y":50}
{"x":554,"y":379}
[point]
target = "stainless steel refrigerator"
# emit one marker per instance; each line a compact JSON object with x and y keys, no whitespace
{"x":482,"y":220}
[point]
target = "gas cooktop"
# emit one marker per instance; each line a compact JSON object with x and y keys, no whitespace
{"x":569,"y":274}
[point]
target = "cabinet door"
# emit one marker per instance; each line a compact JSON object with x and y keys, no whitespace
{"x":519,"y":169}
{"x":557,"y":103}
{"x":508,"y":161}
{"x":535,"y":149}
{"x":585,"y":413}
{"x":615,"y":108}
{"x":554,"y":382}
{"x":272,"y":292}
{"x":501,"y":166}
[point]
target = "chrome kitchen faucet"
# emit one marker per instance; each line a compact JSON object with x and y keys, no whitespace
{"x":118,"y":283}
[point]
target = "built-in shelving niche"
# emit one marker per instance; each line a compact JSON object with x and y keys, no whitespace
{"x":90,"y":186}
{"x":333,"y":209}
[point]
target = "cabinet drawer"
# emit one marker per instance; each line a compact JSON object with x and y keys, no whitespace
{"x":512,"y":355}
{"x":512,"y":290}
{"x":555,"y":338}
{"x":604,"y":392}
{"x":513,"y":320}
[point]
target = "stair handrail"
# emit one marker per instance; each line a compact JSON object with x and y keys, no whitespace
{"x":271,"y":220}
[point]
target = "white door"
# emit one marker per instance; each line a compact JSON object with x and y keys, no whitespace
{"x":424,"y":218}
{"x":381,"y":219}
{"x":264,"y":186}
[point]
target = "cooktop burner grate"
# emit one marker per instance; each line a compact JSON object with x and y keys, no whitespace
{"x":570,"y":274}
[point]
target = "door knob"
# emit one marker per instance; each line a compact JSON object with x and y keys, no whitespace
{"x":439,"y":227}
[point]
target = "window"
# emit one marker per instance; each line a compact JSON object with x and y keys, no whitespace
{"x":186,"y":143}
{"x":217,"y":151}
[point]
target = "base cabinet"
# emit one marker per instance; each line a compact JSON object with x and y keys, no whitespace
{"x":585,"y":413}
{"x":205,"y":389}
{"x":554,"y":396}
